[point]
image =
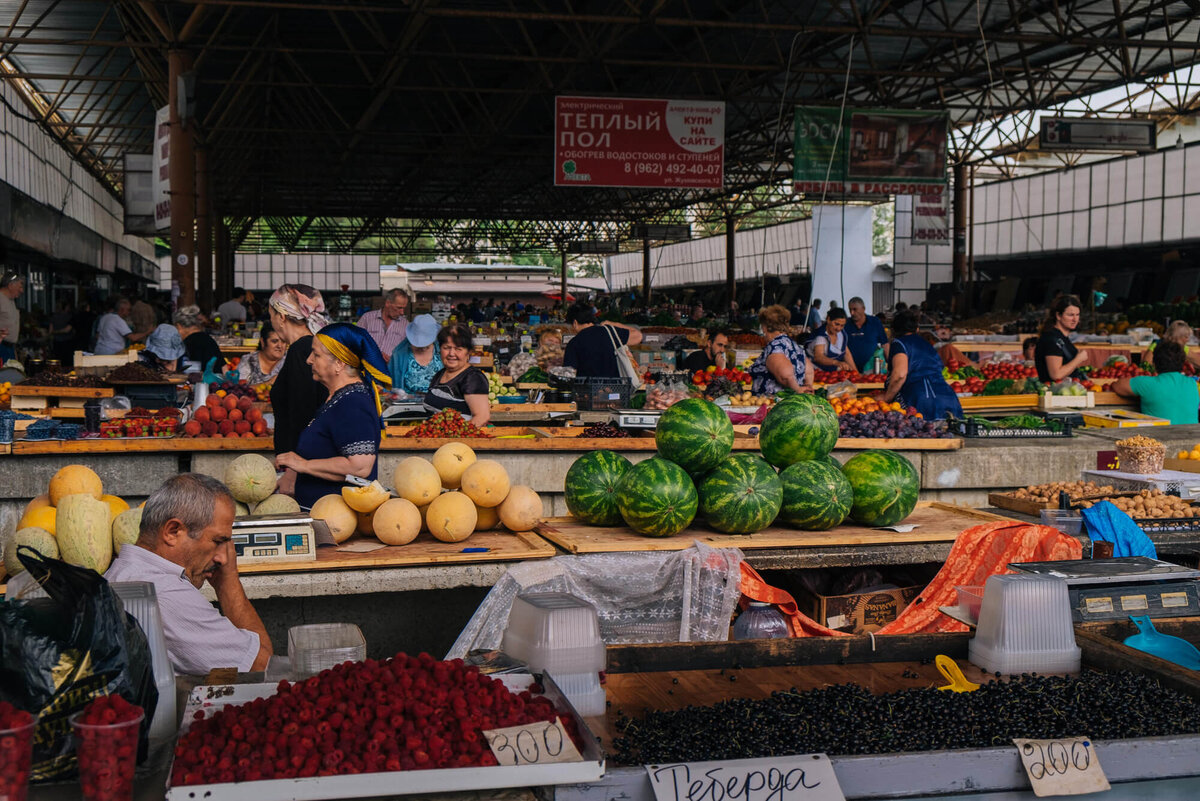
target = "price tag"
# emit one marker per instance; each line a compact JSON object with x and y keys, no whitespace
{"x":533,"y":744}
{"x":475,"y":360}
{"x":791,"y":778}
{"x":1067,"y":766}
{"x":1107,"y":460}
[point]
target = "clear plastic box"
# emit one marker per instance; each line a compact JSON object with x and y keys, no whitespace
{"x":1068,"y":521}
{"x":970,"y":599}
{"x":1025,"y":626}
{"x":141,"y":601}
{"x":584,"y":691}
{"x":554,"y":632}
{"x":320,"y":646}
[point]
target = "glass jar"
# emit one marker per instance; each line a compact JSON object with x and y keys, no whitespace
{"x":760,"y":621}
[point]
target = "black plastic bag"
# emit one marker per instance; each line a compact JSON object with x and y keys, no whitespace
{"x":58,"y":653}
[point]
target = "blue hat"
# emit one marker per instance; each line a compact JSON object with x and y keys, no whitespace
{"x":165,"y":343}
{"x":422,"y":331}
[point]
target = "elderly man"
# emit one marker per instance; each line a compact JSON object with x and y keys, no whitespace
{"x":864,"y":335}
{"x":113,"y":333}
{"x":387,"y":326}
{"x":11,"y":287}
{"x":185,"y":540}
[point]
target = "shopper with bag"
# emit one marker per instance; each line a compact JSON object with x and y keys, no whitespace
{"x":594,"y":349}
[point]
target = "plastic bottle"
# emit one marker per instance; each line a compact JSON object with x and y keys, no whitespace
{"x":761,"y":621}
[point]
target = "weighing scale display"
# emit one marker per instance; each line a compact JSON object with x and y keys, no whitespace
{"x":271,"y":543}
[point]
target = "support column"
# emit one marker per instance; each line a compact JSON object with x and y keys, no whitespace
{"x":223,"y":257}
{"x":960,"y":231}
{"x":970,"y":240}
{"x":730,"y":262}
{"x":646,"y":272}
{"x":204,"y":234}
{"x":183,"y":185}
{"x":562,"y":297}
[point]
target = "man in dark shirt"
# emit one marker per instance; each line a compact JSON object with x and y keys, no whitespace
{"x":863,"y":335}
{"x":590,"y":351}
{"x":712,"y":354}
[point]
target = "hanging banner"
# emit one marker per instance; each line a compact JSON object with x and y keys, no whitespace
{"x":639,"y":142}
{"x":161,"y":169}
{"x":931,"y":219}
{"x":869,"y":152}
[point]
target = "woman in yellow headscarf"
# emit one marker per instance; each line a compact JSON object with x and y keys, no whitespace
{"x":343,"y":438}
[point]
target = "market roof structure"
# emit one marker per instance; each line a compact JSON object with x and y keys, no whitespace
{"x":343,"y":123}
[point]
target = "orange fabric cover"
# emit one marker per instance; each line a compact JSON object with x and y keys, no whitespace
{"x":978,"y":552}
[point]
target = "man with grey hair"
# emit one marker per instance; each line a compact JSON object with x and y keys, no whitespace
{"x":12,"y":284}
{"x":113,"y":333}
{"x":185,"y":539}
{"x":388,"y":326}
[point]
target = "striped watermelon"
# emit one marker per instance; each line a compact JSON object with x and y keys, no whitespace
{"x":829,"y":460}
{"x":885,"y":486}
{"x":591,"y":487}
{"x":816,"y":497}
{"x":797,"y":429}
{"x":741,"y":495}
{"x":695,"y":434}
{"x":657,"y":498}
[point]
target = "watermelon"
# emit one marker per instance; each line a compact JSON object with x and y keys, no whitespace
{"x":816,"y":497}
{"x":741,"y":495}
{"x":591,"y":487}
{"x":657,"y":498}
{"x":829,"y":460}
{"x":695,"y":434}
{"x":885,"y":487}
{"x":800,"y":428}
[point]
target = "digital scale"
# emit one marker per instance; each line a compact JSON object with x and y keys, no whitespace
{"x":1113,"y":589}
{"x":278,"y":538}
{"x":405,"y":410}
{"x":636,"y":418}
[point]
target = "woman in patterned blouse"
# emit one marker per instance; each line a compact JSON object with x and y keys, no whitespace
{"x":264,"y":364}
{"x":782,"y":364}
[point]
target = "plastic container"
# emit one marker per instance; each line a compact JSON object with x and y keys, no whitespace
{"x":970,"y":599}
{"x":1068,"y":521}
{"x":16,"y":753}
{"x":140,"y":600}
{"x":107,"y":757}
{"x":1025,"y":626}
{"x":760,"y":621}
{"x":584,"y":691}
{"x":554,"y":632}
{"x":320,"y":646}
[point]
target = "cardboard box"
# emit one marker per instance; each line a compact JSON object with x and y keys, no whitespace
{"x":1121,"y":418}
{"x":858,"y":613}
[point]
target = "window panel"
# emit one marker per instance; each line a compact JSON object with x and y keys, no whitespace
{"x":1133,"y":223}
{"x":1080,"y":230}
{"x":1135,"y":179}
{"x":1173,"y":172}
{"x":1152,"y":221}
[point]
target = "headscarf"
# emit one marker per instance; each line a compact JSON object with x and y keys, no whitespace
{"x":353,"y":346}
{"x":301,"y":302}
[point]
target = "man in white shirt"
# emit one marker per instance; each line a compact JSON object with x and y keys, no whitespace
{"x":388,"y":325}
{"x":11,"y":287}
{"x":113,"y":333}
{"x":233,"y":310}
{"x":186,"y":539}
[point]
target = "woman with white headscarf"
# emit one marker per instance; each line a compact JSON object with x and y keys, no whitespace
{"x":297,"y":312}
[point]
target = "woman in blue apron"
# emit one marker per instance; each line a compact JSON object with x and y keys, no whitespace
{"x":915,"y":372}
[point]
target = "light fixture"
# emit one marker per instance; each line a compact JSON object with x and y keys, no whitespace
{"x":1179,"y":140}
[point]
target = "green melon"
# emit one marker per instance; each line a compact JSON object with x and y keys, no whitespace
{"x":885,"y":485}
{"x":741,"y":495}
{"x":798,"y":429}
{"x":657,"y":498}
{"x":816,"y":497}
{"x":591,"y":487}
{"x":695,"y":434}
{"x":39,"y":539}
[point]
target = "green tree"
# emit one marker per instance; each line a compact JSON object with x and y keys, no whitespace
{"x":883,"y":228}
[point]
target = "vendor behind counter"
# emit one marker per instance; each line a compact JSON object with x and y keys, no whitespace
{"x":1170,"y":394}
{"x":1056,"y":357}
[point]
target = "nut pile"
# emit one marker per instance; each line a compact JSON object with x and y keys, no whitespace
{"x":1151,"y":504}
{"x":1142,"y":455}
{"x":1048,"y":493}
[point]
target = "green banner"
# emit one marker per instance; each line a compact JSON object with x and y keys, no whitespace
{"x":815,"y":133}
{"x":878,"y":151}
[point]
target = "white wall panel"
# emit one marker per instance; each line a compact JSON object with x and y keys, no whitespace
{"x":1099,"y":185}
{"x":1152,"y":220}
{"x":1135,"y":179}
{"x":1134,"y":234}
{"x":1172,"y":219}
{"x":1173,"y":167}
{"x":1118,"y":191}
{"x":1191,"y":216}
{"x":1037,"y":189}
{"x":1114,"y":232}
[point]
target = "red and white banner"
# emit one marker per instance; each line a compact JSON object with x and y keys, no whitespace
{"x":931,"y":218}
{"x":638,"y":142}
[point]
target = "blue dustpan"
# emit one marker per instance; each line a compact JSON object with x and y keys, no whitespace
{"x":1172,"y":649}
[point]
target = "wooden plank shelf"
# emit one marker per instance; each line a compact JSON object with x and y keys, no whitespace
{"x":62,"y":392}
{"x":143,"y":445}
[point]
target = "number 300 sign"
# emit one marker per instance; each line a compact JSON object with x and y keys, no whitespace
{"x":532,"y":744}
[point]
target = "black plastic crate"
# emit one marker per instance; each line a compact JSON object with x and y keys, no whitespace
{"x":593,"y":394}
{"x":149,"y":396}
{"x":971,"y":429}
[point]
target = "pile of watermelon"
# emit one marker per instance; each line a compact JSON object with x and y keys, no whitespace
{"x":795,"y":480}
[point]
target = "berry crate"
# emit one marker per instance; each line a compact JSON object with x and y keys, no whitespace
{"x":971,"y":429}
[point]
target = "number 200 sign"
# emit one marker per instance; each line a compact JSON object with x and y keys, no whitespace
{"x":1066,"y":766}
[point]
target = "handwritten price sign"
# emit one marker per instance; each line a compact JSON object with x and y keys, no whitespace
{"x":1062,"y":767}
{"x":532,"y":744}
{"x":790,"y":778}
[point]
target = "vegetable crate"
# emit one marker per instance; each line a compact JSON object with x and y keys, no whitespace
{"x":973,"y":429}
{"x":593,"y":394}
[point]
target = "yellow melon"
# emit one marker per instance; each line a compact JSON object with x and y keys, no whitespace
{"x":85,"y":532}
{"x":43,"y":517}
{"x":340,"y":518}
{"x":75,"y":479}
{"x":486,"y":483}
{"x":488,"y":517}
{"x":37,"y":503}
{"x":451,"y":517}
{"x":424,"y":510}
{"x":397,"y":522}
{"x":366,"y":522}
{"x":125,"y":529}
{"x":115,"y":505}
{"x":417,"y":480}
{"x":365,"y":499}
{"x":450,"y":461}
{"x":521,"y":510}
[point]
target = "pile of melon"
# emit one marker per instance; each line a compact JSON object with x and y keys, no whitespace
{"x":451,"y":496}
{"x":74,"y":521}
{"x":251,"y":480}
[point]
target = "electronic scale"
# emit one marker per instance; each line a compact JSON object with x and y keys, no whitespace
{"x":1117,"y":588}
{"x":636,"y":418}
{"x":278,"y":538}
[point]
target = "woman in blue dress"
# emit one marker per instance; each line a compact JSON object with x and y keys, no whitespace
{"x":343,"y":438}
{"x":915,"y":372}
{"x":415,"y":361}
